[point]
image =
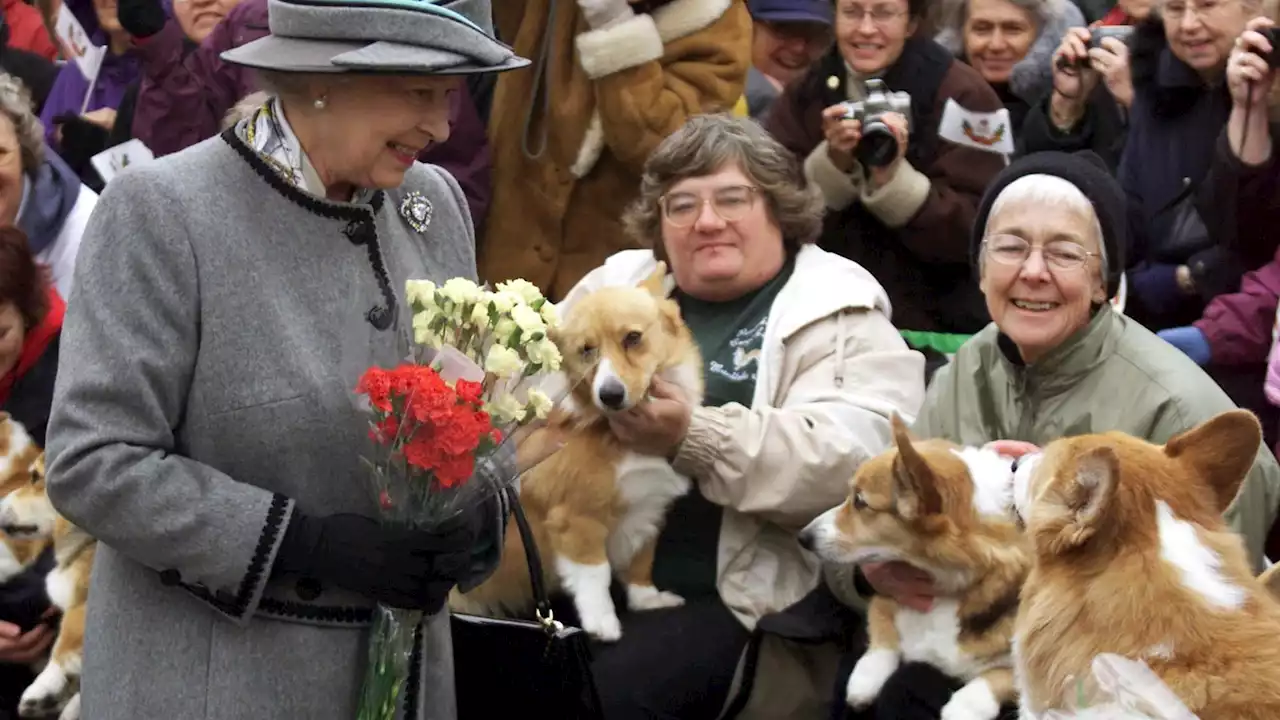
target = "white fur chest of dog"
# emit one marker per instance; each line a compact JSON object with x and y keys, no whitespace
{"x":646,"y":486}
{"x":933,"y":637}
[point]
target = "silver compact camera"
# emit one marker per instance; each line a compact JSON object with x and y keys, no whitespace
{"x":878,"y":147}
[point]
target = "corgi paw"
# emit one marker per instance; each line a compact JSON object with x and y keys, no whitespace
{"x":869,"y":675}
{"x":72,"y":710}
{"x":46,"y":695}
{"x":648,"y":597}
{"x":974,"y":701}
{"x":605,"y":628}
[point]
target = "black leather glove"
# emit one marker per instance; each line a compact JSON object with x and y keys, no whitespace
{"x":399,"y":567}
{"x":140,"y":18}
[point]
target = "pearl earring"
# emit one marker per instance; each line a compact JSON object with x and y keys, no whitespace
{"x":320,"y":103}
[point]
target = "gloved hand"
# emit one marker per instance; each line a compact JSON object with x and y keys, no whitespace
{"x":602,"y":13}
{"x":1190,"y":341}
{"x":403,"y":568}
{"x":141,"y":18}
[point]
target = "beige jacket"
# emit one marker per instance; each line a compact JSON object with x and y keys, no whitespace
{"x":832,"y":371}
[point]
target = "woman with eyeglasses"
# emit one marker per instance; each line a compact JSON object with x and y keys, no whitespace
{"x":1057,"y":359}
{"x":899,"y":198}
{"x":803,"y":371}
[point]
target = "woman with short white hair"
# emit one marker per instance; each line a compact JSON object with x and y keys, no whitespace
{"x":205,"y":427}
{"x":1057,"y":359}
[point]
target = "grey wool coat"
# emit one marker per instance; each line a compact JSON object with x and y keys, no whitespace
{"x":205,"y":390}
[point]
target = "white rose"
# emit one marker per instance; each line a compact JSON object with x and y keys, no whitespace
{"x":480,"y":316}
{"x":525,"y":290}
{"x":421,"y":292}
{"x":505,"y":409}
{"x":503,"y":361}
{"x":460,"y":290}
{"x":503,"y":301}
{"x":422,"y":332}
{"x":545,"y":353}
{"x":504,"y":330}
{"x":539,"y":403}
{"x":528,"y":320}
{"x":550,"y":315}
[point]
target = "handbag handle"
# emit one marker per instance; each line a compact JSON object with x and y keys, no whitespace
{"x":542,"y":603}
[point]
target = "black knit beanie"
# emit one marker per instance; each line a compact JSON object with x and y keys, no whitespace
{"x":1087,"y":172}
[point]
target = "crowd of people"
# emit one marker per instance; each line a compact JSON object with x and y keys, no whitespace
{"x":1005,"y":221}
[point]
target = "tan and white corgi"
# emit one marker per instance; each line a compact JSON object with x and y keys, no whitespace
{"x":27,"y":514}
{"x":1132,"y":558}
{"x":18,"y":453}
{"x":947,"y":510}
{"x":596,"y":507}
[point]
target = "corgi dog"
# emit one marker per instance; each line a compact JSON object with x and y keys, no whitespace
{"x":947,"y":510}
{"x":1132,"y":558}
{"x":18,"y":453}
{"x":596,"y":507}
{"x":27,"y":514}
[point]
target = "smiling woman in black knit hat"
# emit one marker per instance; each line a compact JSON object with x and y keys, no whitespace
{"x":1058,"y":359}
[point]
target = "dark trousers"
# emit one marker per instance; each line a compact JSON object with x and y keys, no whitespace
{"x":915,"y":692}
{"x":674,"y":663}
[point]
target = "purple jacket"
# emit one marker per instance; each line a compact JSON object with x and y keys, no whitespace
{"x":1238,"y":325}
{"x":67,"y":93}
{"x":185,"y":95}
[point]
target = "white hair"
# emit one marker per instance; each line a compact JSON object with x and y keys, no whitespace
{"x":1042,"y":189}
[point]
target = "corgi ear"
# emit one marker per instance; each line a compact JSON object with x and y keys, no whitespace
{"x":1083,"y":492}
{"x":1220,"y":452}
{"x":915,"y":489}
{"x":1270,"y":579}
{"x":656,"y":281}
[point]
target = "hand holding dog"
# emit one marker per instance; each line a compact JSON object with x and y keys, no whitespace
{"x":658,"y":425}
{"x":19,"y":648}
{"x":905,"y":584}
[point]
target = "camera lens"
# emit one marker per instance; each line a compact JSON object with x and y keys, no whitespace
{"x":878,"y":147}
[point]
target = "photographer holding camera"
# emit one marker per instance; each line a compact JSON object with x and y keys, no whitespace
{"x":900,"y":199}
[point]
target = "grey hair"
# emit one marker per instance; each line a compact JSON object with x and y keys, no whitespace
{"x":1043,"y":189}
{"x":707,"y":144}
{"x":15,"y":103}
{"x":955,"y":13}
{"x":287,"y":86}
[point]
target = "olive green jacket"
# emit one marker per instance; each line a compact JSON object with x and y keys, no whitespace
{"x":1112,"y":375}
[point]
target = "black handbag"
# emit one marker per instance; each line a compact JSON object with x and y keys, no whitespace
{"x":1187,"y":233}
{"x":512,"y":668}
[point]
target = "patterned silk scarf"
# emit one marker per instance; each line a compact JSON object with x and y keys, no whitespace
{"x":268,"y":132}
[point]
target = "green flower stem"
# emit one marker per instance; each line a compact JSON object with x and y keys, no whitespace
{"x":387,"y":673}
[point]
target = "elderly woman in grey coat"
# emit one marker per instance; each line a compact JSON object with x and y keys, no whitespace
{"x":203,"y":426}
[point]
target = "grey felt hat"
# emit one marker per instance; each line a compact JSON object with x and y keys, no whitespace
{"x":417,"y":37}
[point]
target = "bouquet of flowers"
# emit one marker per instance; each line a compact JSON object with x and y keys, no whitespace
{"x":443,"y":426}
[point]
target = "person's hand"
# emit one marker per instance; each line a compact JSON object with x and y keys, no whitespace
{"x":842,"y":137}
{"x":657,"y":425}
{"x":19,"y":648}
{"x":1073,"y":78}
{"x":1013,"y":448}
{"x":1111,"y":61}
{"x":1249,"y":76}
{"x":104,"y":118}
{"x":1190,"y":341}
{"x":897,"y":124}
{"x":905,"y":584}
{"x":140,"y":18}
{"x":602,"y":13}
{"x":396,"y":566}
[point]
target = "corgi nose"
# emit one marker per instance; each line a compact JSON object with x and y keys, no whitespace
{"x":612,"y":394}
{"x":806,"y":539}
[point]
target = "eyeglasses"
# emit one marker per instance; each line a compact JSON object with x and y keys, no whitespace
{"x":1058,"y":254}
{"x":880,"y":14}
{"x":1175,"y":10}
{"x":731,"y":204}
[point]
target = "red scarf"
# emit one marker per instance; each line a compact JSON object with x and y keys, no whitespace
{"x":1115,"y":16}
{"x":33,"y":346}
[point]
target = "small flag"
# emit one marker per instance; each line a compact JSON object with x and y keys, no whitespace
{"x":76,"y":44}
{"x":112,"y":161}
{"x":982,"y":131}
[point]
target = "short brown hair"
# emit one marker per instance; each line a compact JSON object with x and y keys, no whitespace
{"x":707,"y":144}
{"x":22,"y":281}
